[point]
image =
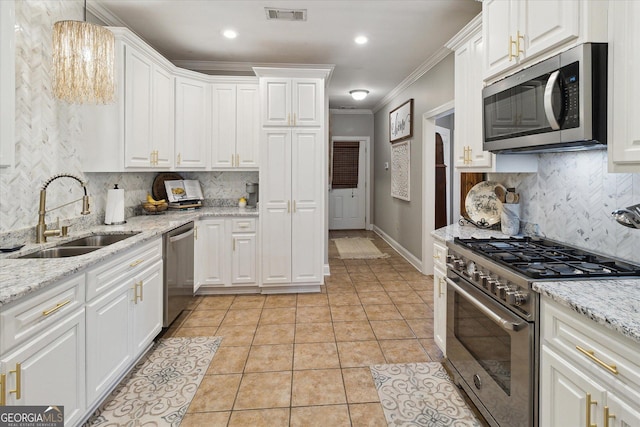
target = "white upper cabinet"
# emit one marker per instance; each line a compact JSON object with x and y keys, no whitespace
{"x":7,"y":84}
{"x":235,"y":126}
{"x":624,"y":87}
{"x":292,"y":101}
{"x":193,"y":120}
{"x":468,"y":148}
{"x":518,"y":31}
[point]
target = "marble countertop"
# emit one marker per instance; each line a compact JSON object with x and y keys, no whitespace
{"x":20,"y":277}
{"x":614,"y":304}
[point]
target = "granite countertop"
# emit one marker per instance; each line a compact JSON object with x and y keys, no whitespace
{"x":20,"y":277}
{"x":614,"y":304}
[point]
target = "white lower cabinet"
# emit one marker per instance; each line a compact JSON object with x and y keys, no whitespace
{"x":225,"y":253}
{"x":589,"y":375}
{"x":50,"y":369}
{"x":440,"y":295}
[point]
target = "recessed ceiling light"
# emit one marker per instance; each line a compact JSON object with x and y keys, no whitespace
{"x":359,"y":94}
{"x":361,"y":40}
{"x":230,"y":34}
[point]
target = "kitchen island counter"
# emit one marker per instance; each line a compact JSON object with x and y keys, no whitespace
{"x":21,"y":277}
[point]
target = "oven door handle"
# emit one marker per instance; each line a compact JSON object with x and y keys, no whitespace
{"x":504,"y":323}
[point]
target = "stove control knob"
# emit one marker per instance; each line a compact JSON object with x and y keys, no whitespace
{"x":484,"y":280}
{"x":517,"y":298}
{"x":450,"y":259}
{"x":493,"y":285}
{"x":476,"y":276}
{"x":503,"y":290}
{"x":458,"y":264}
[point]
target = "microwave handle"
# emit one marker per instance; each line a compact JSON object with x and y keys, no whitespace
{"x":548,"y":97}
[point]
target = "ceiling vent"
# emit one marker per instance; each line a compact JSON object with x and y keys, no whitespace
{"x":286,"y":14}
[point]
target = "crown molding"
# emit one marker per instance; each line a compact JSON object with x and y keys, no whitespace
{"x":434,"y":59}
{"x":463,"y":35}
{"x":350,"y":111}
{"x":100,"y":12}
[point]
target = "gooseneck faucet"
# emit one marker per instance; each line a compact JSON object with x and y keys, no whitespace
{"x":41,"y":229}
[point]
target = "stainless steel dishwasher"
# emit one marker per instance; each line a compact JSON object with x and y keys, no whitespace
{"x":178,"y":271}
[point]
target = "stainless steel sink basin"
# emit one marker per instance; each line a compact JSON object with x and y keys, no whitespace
{"x":61,"y":252}
{"x":80,"y":246}
{"x":98,"y":240}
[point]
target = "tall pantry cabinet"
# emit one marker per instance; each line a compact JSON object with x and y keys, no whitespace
{"x":293,"y":175}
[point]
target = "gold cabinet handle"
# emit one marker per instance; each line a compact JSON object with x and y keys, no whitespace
{"x":440,"y":282}
{"x":141,"y":284}
{"x":18,"y":371}
{"x":195,"y":232}
{"x":436,"y":256}
{"x":234,"y":244}
{"x":294,"y":119}
{"x":607,"y":415}
{"x":179,"y":158}
{"x":237,"y":160}
{"x":591,"y":355}
{"x":232,"y":161}
{"x":511,"y":43}
{"x":135,"y":293}
{"x":588,"y":411}
{"x":518,"y":37}
{"x":288,"y":119}
{"x":56,"y":308}
{"x":136,"y":262}
{"x":288,"y":206}
{"x":3,"y":389}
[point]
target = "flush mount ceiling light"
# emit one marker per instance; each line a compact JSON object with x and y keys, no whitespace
{"x":230,"y":34}
{"x":359,"y":94}
{"x":83,"y":56}
{"x":361,"y":40}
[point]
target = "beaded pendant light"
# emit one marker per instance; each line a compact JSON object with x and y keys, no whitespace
{"x":83,"y":57}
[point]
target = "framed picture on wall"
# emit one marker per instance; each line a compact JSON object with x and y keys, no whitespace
{"x":401,"y":122}
{"x":401,"y":171}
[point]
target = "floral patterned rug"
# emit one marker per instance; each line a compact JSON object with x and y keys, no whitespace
{"x":420,"y":394}
{"x":159,"y":389}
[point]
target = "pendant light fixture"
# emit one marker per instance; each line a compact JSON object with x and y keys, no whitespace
{"x":83,"y":58}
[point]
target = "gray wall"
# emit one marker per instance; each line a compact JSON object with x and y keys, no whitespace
{"x":402,"y":220}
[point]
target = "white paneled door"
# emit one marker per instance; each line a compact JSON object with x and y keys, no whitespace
{"x":347,"y":205}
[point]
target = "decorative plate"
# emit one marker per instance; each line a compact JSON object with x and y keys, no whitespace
{"x":482,"y":203}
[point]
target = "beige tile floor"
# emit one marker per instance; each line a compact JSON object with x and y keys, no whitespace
{"x":302,"y":359}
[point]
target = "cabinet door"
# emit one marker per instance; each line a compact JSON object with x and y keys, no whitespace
{"x":192,"y":124}
{"x":624,"y":86}
{"x":137,"y":99}
{"x":223,"y":126}
{"x":52,"y":369}
{"x":499,"y":20}
{"x":248,"y":126}
{"x":308,"y":102}
{"x":564,"y":391}
{"x":276,"y":101}
{"x":243,"y":259}
{"x":163,"y":119}
{"x":621,"y":414}
{"x":440,"y":309}
{"x":147,"y":309}
{"x":307,"y":185}
{"x":109,"y":335}
{"x":211,"y":248}
{"x":546,"y":24}
{"x":275,"y":206}
{"x":468,"y":148}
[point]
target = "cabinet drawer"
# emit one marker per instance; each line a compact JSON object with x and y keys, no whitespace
{"x":36,"y":313}
{"x":440,"y":255}
{"x":113,"y":272}
{"x":573,"y":335}
{"x":242,"y":225}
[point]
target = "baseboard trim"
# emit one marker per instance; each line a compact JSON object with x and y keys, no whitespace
{"x":399,"y":248}
{"x":327,"y":270}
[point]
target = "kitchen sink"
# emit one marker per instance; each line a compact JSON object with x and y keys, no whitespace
{"x":80,"y":246}
{"x":61,"y":252}
{"x":98,"y":240}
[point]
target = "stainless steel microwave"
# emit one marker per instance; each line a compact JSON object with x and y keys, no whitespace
{"x":559,"y":104}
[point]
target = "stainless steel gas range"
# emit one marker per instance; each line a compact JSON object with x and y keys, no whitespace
{"x":493,"y":342}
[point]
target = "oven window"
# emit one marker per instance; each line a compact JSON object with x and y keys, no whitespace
{"x":488,"y":343}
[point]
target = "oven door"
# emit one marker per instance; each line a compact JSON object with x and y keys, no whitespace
{"x":492,"y":350}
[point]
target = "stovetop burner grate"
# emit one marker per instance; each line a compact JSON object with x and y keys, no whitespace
{"x":545,"y":259}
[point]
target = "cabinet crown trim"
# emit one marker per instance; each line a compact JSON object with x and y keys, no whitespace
{"x":467,"y":31}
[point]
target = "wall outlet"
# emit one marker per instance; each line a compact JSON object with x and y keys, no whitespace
{"x":386,"y":166}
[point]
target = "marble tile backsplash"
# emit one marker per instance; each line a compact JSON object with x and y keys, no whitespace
{"x":571,"y":199}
